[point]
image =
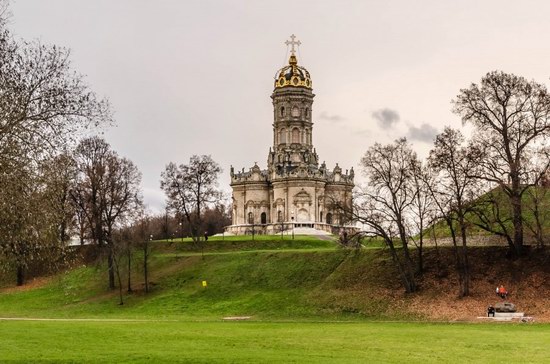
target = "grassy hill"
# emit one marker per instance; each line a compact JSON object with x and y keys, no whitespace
{"x":267,"y":279}
{"x":304,"y":279}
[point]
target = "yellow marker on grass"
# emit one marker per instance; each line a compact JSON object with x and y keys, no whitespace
{"x":204,"y":284}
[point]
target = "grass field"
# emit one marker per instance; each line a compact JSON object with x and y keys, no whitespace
{"x":261,"y":342}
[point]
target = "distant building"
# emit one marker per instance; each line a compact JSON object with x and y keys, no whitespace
{"x":294,"y":189}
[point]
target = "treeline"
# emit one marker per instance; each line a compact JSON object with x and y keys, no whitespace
{"x":54,"y":183}
{"x":45,"y":107}
{"x":59,"y":185}
{"x":495,"y":181}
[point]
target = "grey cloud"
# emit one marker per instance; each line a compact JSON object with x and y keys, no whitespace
{"x":362,"y":132}
{"x":386,"y":117}
{"x":424,"y":133}
{"x":335,"y":118}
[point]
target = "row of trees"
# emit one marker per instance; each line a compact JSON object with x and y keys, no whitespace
{"x":53,"y":183}
{"x":495,"y":181}
{"x":45,"y":106}
{"x":57,"y":184}
{"x":191,"y":190}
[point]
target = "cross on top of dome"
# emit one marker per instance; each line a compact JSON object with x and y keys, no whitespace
{"x":292,"y":43}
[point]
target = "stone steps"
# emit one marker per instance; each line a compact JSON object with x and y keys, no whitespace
{"x":504,"y":316}
{"x":509,"y":314}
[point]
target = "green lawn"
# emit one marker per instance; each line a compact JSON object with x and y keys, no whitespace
{"x":255,"y":342}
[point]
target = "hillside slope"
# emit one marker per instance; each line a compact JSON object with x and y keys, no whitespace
{"x":305,"y":282}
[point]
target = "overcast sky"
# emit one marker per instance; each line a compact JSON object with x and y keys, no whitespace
{"x":194,"y":77}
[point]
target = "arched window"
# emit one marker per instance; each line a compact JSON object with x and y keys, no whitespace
{"x":282,"y":136}
{"x":250,"y":218}
{"x":263,"y":218}
{"x":307,"y":112}
{"x":329,"y":218}
{"x":295,"y":135}
{"x":282,"y":111}
{"x":279,"y":216}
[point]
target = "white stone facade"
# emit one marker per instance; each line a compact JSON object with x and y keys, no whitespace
{"x":294,"y":190}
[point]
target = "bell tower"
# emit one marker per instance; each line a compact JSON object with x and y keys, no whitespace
{"x":292,"y":110}
{"x":295,"y":190}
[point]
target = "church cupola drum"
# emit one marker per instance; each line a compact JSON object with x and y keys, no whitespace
{"x":295,"y":190}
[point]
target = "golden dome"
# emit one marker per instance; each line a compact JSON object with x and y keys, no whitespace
{"x":293,"y":75}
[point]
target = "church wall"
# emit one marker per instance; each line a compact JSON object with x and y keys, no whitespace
{"x":279,"y":203}
{"x":303,"y":198}
{"x":337,"y":192}
{"x":250,"y":198}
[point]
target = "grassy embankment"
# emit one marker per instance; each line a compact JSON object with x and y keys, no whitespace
{"x":266,"y":279}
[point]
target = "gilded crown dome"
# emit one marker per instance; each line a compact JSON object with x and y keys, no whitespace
{"x":293,"y":75}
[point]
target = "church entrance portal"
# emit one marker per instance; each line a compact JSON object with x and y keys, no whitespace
{"x":303,"y":215}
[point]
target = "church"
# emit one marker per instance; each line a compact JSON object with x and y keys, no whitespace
{"x":295,"y":190}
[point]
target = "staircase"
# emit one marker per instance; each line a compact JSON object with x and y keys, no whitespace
{"x":507,"y":316}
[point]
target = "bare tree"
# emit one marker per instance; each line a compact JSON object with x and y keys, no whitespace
{"x":454,"y":193}
{"x":510,"y":115}
{"x":423,"y":209}
{"x":44,"y":104}
{"x":384,"y":204}
{"x":190,"y":189}
{"x":91,"y":157}
{"x":142,"y":235}
{"x":108,"y":192}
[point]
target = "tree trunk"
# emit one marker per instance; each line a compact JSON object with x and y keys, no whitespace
{"x":121,"y":302}
{"x":20,"y":275}
{"x":145,"y":272}
{"x":405,"y":279}
{"x":110,"y":262}
{"x":420,"y":266}
{"x":129,"y":271}
{"x":458,"y":259}
{"x":409,"y":270}
{"x":517,"y":220}
{"x":465,"y":260}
